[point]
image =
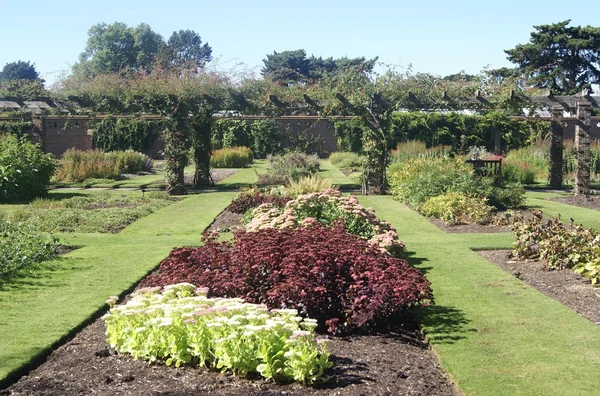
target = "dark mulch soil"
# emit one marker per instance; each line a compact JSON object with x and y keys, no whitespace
{"x":392,"y":364}
{"x":227,"y":222}
{"x":564,"y":286}
{"x":589,"y":202}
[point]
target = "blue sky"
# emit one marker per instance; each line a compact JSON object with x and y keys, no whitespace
{"x":440,"y":37}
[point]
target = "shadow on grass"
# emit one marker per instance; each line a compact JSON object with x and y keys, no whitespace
{"x":443,"y":324}
{"x":413,"y":260}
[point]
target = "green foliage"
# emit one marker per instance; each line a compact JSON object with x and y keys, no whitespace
{"x":518,"y":171}
{"x":17,"y":127}
{"x":22,"y":247}
{"x":415,"y":149}
{"x":180,"y":325}
{"x":234,"y":157}
{"x":262,"y":136}
{"x":19,"y":71}
{"x":560,"y":57}
{"x":112,"y":134}
{"x":25,"y":171}
{"x":185,"y":50}
{"x":94,"y":213}
{"x":458,"y":208}
{"x":289,"y":67}
{"x":328,"y":207}
{"x":77,"y":165}
{"x":558,"y":245}
{"x":306,"y":185}
{"x":290,"y":166}
{"x":349,"y":134}
{"x":24,"y":89}
{"x":346,"y":160}
{"x":525,"y":164}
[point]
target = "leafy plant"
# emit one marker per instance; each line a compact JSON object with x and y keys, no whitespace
{"x":458,"y":208}
{"x":328,"y":207}
{"x":25,"y":171}
{"x":234,"y":157}
{"x":254,"y":197}
{"x":78,"y":165}
{"x":180,"y":325}
{"x":290,"y":166}
{"x":308,"y":184}
{"x":346,"y":160}
{"x":119,"y":134}
{"x":326,"y":273}
{"x":22,"y":246}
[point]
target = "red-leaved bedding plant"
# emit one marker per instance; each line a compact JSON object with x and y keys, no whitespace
{"x":325,"y":273}
{"x":253,"y":198}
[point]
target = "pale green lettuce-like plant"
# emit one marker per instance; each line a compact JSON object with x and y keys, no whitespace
{"x":180,"y":325}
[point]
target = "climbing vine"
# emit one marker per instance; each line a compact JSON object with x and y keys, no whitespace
{"x":111,"y":134}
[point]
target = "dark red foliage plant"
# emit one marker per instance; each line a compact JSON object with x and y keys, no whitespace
{"x":254,"y":198}
{"x":326,"y":273}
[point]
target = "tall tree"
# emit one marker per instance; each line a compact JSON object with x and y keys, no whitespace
{"x":563,"y":58}
{"x":185,"y":50}
{"x":111,"y":48}
{"x":19,"y":71}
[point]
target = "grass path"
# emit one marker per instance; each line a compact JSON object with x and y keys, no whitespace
{"x":37,"y":312}
{"x":494,"y":334}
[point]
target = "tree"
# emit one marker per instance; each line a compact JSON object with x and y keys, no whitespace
{"x":112,"y":48}
{"x":289,"y":67}
{"x":185,"y":50}
{"x":19,"y":71}
{"x":560,"y":57}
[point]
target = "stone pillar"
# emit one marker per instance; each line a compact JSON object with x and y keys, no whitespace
{"x":582,"y":145}
{"x":556,"y":148}
{"x":497,"y":142}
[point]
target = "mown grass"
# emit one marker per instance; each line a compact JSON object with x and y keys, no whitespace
{"x":38,"y":311}
{"x":329,"y":171}
{"x":494,"y":334}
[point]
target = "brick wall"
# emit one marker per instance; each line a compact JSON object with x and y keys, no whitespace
{"x":60,"y":134}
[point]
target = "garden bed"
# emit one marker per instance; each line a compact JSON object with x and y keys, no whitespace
{"x":469,"y":228}
{"x":565,"y":286}
{"x":398,"y":363}
{"x":582,"y":201}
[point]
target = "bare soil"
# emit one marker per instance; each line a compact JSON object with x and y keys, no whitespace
{"x":468,"y":228}
{"x":392,"y":364}
{"x":564,"y":286}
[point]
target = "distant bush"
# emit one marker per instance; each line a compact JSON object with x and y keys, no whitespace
{"x":290,"y":166}
{"x":346,"y":160}
{"x":25,"y":171}
{"x":458,"y":208}
{"x":325,"y":273}
{"x":22,"y":247}
{"x":78,"y":165}
{"x":234,"y":157}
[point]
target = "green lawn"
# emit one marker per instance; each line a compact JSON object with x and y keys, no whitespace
{"x":494,"y":334}
{"x":38,"y":311}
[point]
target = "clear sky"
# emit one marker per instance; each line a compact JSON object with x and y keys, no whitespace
{"x":435,"y":36}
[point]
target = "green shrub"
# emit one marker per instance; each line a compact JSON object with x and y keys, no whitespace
{"x":78,"y":165}
{"x":234,"y":157}
{"x":262,"y":136}
{"x":509,"y":196}
{"x":518,"y":171}
{"x":419,"y":179}
{"x":25,"y":171}
{"x":307,"y":184}
{"x":417,"y":149}
{"x":291,"y":166}
{"x":118,"y":134}
{"x":346,"y":160}
{"x":458,"y":208}
{"x":22,"y":247}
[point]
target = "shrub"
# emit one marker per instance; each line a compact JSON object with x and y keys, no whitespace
{"x":291,"y":166}
{"x":326,"y":273}
{"x":419,"y":179}
{"x":415,"y":149}
{"x":328,"y":207}
{"x":22,"y":246}
{"x":78,"y":165}
{"x":346,"y":160}
{"x":182,"y":326}
{"x":458,"y":208}
{"x":118,"y":134}
{"x":25,"y":171}
{"x":308,"y":184}
{"x":254,"y":197}
{"x":234,"y":157}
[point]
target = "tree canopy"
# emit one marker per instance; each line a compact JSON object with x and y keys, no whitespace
{"x":563,"y":58}
{"x":19,"y":70}
{"x":289,"y":67}
{"x":115,"y":47}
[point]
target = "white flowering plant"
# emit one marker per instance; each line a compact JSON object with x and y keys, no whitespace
{"x":327,"y":207}
{"x":178,"y":324}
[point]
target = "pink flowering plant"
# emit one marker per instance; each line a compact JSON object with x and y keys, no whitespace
{"x":179,"y":324}
{"x":328,"y":207}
